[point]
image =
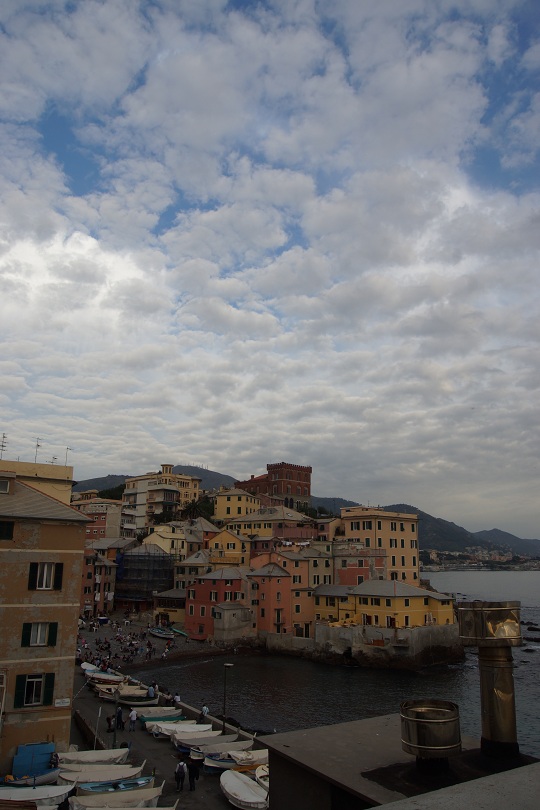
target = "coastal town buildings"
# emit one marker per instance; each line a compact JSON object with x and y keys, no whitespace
{"x":234,"y":503}
{"x":156,"y":497}
{"x":41,"y":560}
{"x":226,"y":585}
{"x":97,"y":584}
{"x":105,"y":514}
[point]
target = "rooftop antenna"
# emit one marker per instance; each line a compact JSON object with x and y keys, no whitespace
{"x":53,"y":459}
{"x":68,"y":450}
{"x":38,"y":440}
{"x":3,"y":443}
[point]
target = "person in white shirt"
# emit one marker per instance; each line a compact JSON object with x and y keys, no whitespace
{"x":132,"y":719}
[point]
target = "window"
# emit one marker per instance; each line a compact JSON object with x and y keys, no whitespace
{"x":402,"y":542}
{"x":278,"y":596}
{"x":231,"y":546}
{"x":402,"y":527}
{"x":413,"y":527}
{"x":316,"y":579}
{"x":327,"y":579}
{"x":366,"y":525}
{"x":213,"y":596}
{"x":228,"y":596}
{"x":34,"y":690}
{"x":297,"y":608}
{"x":393,"y":526}
{"x":406,"y":621}
{"x":414,"y":560}
{"x":393,"y":542}
{"x":414,"y":544}
{"x":4,"y":486}
{"x":403,"y":561}
{"x":327,"y":563}
{"x":315,"y":563}
{"x":39,"y":634}
{"x":317,"y":600}
{"x":45,"y":576}
{"x":407,"y":602}
{"x":344,"y":563}
{"x":393,"y":560}
{"x":6,"y":528}
{"x":191,"y":610}
{"x":297,"y":578}
{"x":388,"y":602}
{"x":355,"y":525}
{"x":379,"y":542}
{"x":426,"y":600}
{"x":375,"y":600}
{"x":379,"y":525}
{"x":359,"y":580}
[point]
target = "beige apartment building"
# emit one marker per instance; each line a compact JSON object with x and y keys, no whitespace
{"x":41,"y":558}
{"x":156,"y":495}
{"x":234,"y":503}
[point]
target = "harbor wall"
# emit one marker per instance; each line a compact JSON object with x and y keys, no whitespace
{"x":406,"y":648}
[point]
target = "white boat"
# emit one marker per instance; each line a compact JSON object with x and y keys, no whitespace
{"x":96,"y":676}
{"x":221,"y":745}
{"x":262,"y":776}
{"x":148,"y":797}
{"x":185,"y":732}
{"x":111,"y":755}
{"x":43,"y":795}
{"x":258,"y":757}
{"x":93,"y":767}
{"x":103,"y":774}
{"x":248,"y":760}
{"x":114,"y":786}
{"x":182,"y":743}
{"x":162,"y":710}
{"x":161,"y":632}
{"x":174,"y":724}
{"x":242,"y":791}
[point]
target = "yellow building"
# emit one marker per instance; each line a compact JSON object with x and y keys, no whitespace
{"x":381,"y":603}
{"x":228,"y":548}
{"x":41,"y":558}
{"x":51,"y":479}
{"x":234,"y":503}
{"x":393,"y":534}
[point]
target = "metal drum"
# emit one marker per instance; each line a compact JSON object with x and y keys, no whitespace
{"x":430,"y":728}
{"x":489,"y":624}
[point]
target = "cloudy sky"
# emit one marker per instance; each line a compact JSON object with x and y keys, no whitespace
{"x":234,"y":233}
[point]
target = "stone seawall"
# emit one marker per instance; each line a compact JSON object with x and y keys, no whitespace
{"x":408,"y":648}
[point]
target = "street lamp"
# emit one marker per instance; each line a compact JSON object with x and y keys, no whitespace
{"x":225,"y":668}
{"x":116,"y":696}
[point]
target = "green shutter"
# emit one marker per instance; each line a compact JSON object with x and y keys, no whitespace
{"x":26,"y":633}
{"x":53,"y":632}
{"x":20,"y":688}
{"x":48,"y":689}
{"x":32,"y":576}
{"x":58,"y":571}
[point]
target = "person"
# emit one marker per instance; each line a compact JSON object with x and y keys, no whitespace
{"x":193,"y":773}
{"x":202,"y":716}
{"x":119,"y":719}
{"x":176,"y":700}
{"x":132,"y":719}
{"x":180,"y":774}
{"x":151,"y":693}
{"x":110,"y":721}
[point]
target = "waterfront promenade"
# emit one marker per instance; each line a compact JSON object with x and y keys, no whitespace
{"x":90,"y":723}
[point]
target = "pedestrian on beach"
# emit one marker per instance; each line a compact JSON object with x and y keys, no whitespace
{"x":180,"y":774}
{"x":193,"y":773}
{"x":132,"y":719}
{"x":119,"y":719}
{"x":177,"y":700}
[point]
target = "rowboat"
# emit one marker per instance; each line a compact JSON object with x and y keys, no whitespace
{"x":112,"y":755}
{"x":94,"y":767}
{"x":106,"y":774}
{"x":108,"y":692}
{"x":114,"y":786}
{"x":94,"y":676}
{"x":47,"y":777}
{"x":169,"y":711}
{"x":161,"y":632}
{"x":147,"y":797}
{"x":156,"y":714}
{"x":174,"y":724}
{"x":248,"y":760}
{"x":242,"y":791}
{"x":182,"y":742}
{"x":180,"y":632}
{"x":43,"y":795}
{"x":262,"y":776}
{"x":221,"y":745}
{"x":184,"y":729}
{"x":134,"y":700}
{"x":195,"y":744}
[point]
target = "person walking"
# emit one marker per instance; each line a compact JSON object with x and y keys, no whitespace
{"x":119,"y":719}
{"x":193,"y":773}
{"x":132,"y":719}
{"x":180,"y":774}
{"x":202,"y":716}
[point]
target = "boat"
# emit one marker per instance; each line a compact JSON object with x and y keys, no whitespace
{"x":94,"y":767}
{"x":185,"y":743}
{"x":114,"y":785}
{"x":163,"y":718}
{"x":105,"y":774}
{"x":169,"y":711}
{"x":47,"y":777}
{"x":134,"y":700}
{"x":226,"y":760}
{"x":242,"y":791}
{"x":221,"y":745}
{"x":262,"y":776}
{"x":195,"y":745}
{"x":111,"y":755}
{"x":181,"y":729}
{"x":147,"y":797}
{"x":162,"y":632}
{"x":96,"y":676}
{"x":174,"y":724}
{"x":180,"y":632}
{"x":43,"y":795}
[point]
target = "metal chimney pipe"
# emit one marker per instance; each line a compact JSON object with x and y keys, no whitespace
{"x":494,"y":628}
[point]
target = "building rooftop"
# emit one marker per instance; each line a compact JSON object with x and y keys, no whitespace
{"x":385,"y":587}
{"x":24,"y":501}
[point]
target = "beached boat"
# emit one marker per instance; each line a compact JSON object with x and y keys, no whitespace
{"x":147,"y":797}
{"x":180,"y":632}
{"x":242,"y":791}
{"x":161,"y":632}
{"x":181,"y":729}
{"x":96,"y":676}
{"x":246,"y":760}
{"x":262,"y":776}
{"x":181,"y":742}
{"x":47,"y":777}
{"x":169,"y":711}
{"x":157,"y":715}
{"x":105,"y":774}
{"x":114,"y":786}
{"x":112,"y":755}
{"x":91,"y":768}
{"x":194,"y":745}
{"x":173,"y":723}
{"x":220,"y":745}
{"x":136,"y":701}
{"x":43,"y":795}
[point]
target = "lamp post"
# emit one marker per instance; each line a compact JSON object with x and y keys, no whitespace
{"x":116,"y":696}
{"x":225,"y":668}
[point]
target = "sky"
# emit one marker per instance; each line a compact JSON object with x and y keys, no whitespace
{"x":238,"y":233}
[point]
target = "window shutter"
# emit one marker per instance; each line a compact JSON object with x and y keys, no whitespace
{"x":58,"y":572}
{"x":48,"y":689}
{"x":53,"y":632}
{"x":26,"y":633}
{"x":20,"y":686}
{"x":32,"y":576}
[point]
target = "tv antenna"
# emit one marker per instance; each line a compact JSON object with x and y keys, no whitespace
{"x":68,"y":450}
{"x":53,"y":459}
{"x":3,"y":444}
{"x":38,"y":440}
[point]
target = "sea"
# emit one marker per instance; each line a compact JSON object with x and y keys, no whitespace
{"x":272,"y":693}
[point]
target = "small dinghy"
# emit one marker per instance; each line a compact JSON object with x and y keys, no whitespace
{"x":114,"y":773}
{"x":161,"y":632}
{"x":114,"y":786}
{"x":43,"y":796}
{"x":147,"y":797}
{"x":111,"y":755}
{"x":242,"y":791}
{"x":262,"y":776}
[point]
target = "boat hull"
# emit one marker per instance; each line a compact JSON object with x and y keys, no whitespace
{"x":114,"y":786}
{"x":243,"y":792}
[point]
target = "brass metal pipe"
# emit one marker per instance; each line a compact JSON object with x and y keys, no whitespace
{"x":498,"y":706}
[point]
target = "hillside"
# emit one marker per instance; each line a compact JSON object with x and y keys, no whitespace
{"x":434,"y":532}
